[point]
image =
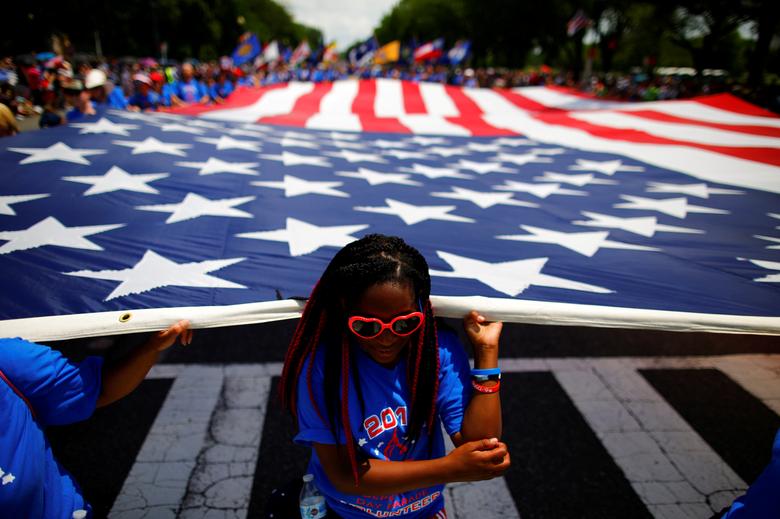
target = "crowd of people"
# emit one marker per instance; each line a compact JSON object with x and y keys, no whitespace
{"x":61,"y":90}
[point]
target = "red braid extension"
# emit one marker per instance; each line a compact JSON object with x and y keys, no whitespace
{"x":315,"y":343}
{"x":416,"y":369}
{"x":296,"y":338}
{"x":432,"y":416}
{"x":293,"y":350}
{"x":345,"y":407}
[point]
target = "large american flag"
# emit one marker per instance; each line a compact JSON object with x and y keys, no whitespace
{"x":534,"y":205}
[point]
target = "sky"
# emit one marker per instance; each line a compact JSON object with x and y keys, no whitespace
{"x":341,"y":20}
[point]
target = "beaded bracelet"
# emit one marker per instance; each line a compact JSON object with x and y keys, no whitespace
{"x":486,"y":389}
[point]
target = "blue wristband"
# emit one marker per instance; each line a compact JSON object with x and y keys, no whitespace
{"x":488,"y":371}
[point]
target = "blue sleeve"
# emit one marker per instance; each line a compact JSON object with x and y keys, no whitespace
{"x":762,"y":499}
{"x":176,"y":89}
{"x":116,"y":99}
{"x":311,"y":426}
{"x":454,"y":381}
{"x":165,"y":95}
{"x":202,"y":90}
{"x":214,"y":91}
{"x":60,"y":391}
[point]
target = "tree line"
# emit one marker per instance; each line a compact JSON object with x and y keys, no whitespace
{"x":201,"y":29}
{"x":735,"y":35}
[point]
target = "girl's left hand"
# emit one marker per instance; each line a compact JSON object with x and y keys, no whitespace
{"x":482,"y":333}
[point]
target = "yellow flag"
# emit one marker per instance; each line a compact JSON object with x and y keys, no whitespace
{"x":388,"y":53}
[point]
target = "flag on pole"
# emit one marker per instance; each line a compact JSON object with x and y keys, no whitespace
{"x":301,"y":53}
{"x":577,"y":22}
{"x":330,"y":55}
{"x":429,"y":51}
{"x":248,"y":49}
{"x":388,"y":53}
{"x":459,"y":52}
{"x":533,"y":205}
{"x":362,"y":54}
{"x":271,"y":54}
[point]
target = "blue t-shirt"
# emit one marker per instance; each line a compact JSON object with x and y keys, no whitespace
{"x":381,"y":431}
{"x":224,"y":90}
{"x":116,"y":99}
{"x":32,"y":482}
{"x":74,"y":114}
{"x":762,"y":498}
{"x":150,"y":101}
{"x":191,"y":91}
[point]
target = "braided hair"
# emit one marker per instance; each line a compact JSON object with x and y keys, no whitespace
{"x":372,"y":260}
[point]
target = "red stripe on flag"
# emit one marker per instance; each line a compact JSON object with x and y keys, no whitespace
{"x":413,"y":101}
{"x":523,"y":102}
{"x":765,"y":155}
{"x":766,"y":131}
{"x":243,"y":96}
{"x":471,"y":115}
{"x":305,"y":107}
{"x":363,"y":107}
{"x":733,"y":104}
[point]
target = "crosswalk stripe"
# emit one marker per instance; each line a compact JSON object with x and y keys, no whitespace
{"x":222,"y":478}
{"x":669,"y":466}
{"x":158,"y":480}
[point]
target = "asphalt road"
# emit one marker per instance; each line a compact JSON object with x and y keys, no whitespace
{"x":601,"y":423}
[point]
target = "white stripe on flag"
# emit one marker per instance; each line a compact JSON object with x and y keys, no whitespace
{"x":421,"y":123}
{"x":678,"y":131}
{"x":389,"y":101}
{"x":274,"y":102}
{"x":336,"y":108}
{"x":437,"y":101}
{"x":702,"y":164}
{"x":554,"y":99}
{"x":702,"y":112}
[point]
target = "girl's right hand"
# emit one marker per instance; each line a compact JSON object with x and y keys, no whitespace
{"x":479,"y":460}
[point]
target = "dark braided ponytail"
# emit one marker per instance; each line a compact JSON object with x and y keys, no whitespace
{"x":372,"y":260}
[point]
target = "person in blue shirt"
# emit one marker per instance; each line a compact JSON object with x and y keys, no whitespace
{"x":222,"y":87}
{"x":144,"y":98}
{"x":40,"y":387}
{"x":369,"y":376}
{"x":161,"y":87}
{"x":188,"y":90}
{"x":78,"y":98}
{"x":103,"y":93}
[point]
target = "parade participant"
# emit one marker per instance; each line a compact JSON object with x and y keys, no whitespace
{"x":221,"y":88}
{"x":369,"y":375}
{"x":188,"y":90}
{"x":78,"y":98}
{"x":144,"y":98}
{"x":161,"y":87}
{"x":102,"y":92}
{"x":39,"y":388}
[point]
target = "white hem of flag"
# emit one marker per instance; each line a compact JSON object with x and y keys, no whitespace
{"x":63,"y":327}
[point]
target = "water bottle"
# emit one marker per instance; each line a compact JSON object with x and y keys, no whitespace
{"x":312,"y":502}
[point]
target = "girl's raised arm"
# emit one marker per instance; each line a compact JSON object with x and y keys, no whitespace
{"x":482,"y":418}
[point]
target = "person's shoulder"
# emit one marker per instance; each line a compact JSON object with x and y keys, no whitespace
{"x":450,"y":344}
{"x":446,"y":333}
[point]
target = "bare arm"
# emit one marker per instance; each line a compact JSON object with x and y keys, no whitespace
{"x":482,"y":418}
{"x":122,"y":379}
{"x":473,"y":461}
